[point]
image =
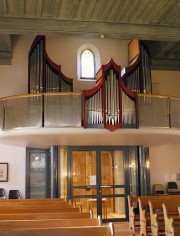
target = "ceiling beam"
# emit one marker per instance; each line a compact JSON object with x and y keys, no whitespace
{"x":115,"y":30}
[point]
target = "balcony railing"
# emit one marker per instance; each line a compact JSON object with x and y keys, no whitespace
{"x":66,"y":110}
{"x":41,"y":110}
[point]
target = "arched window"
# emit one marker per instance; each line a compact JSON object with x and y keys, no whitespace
{"x":87,"y":65}
{"x":88,"y":62}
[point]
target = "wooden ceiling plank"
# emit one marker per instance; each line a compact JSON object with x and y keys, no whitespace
{"x":144,"y":16}
{"x":90,"y":10}
{"x":98,"y":10}
{"x":164,"y":6}
{"x":75,"y":8}
{"x":65,"y":10}
{"x":115,"y":10}
{"x":30,"y":8}
{"x":124,"y":8}
{"x":4,"y":7}
{"x":22,"y":7}
{"x":47,"y":8}
{"x":39,"y":8}
{"x":173,"y":50}
{"x":57,"y":9}
{"x":172,"y":17}
{"x":79,"y":10}
{"x":106,"y":11}
{"x":168,"y":14}
{"x":131,"y":8}
{"x":138,"y":14}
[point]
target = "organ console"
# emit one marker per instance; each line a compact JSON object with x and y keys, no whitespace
{"x":43,"y":74}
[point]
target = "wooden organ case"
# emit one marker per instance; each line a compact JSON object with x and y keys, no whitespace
{"x":43,"y":74}
{"x":102,"y":104}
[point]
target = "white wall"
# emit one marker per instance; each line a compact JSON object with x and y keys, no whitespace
{"x":165,"y":164}
{"x":14,"y":78}
{"x":166,"y":82}
{"x":16,"y":159}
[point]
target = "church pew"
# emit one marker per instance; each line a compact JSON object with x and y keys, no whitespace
{"x":38,"y":216}
{"x":172,"y":222}
{"x":134,"y":219}
{"x":152,"y":223}
{"x":49,"y":223}
{"x":64,"y":231}
{"x":37,"y":201}
{"x":37,"y":209}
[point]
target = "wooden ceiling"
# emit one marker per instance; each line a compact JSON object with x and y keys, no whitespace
{"x":154,"y":20}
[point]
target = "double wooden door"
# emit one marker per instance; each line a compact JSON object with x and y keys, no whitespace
{"x":97,"y":182}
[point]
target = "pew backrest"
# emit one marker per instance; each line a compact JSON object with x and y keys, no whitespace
{"x":35,"y":216}
{"x":168,"y":221}
{"x":67,"y":231}
{"x":49,"y":223}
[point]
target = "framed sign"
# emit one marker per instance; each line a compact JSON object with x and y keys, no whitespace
{"x":3,"y":172}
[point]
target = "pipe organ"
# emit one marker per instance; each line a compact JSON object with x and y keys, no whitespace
{"x":113,"y":102}
{"x":102,"y":106}
{"x":44,"y":75}
{"x":136,"y":78}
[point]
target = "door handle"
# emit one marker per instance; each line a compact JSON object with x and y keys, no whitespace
{"x":106,"y":186}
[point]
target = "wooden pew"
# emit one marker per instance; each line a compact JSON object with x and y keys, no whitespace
{"x":34,"y":201}
{"x":157,"y":222}
{"x":145,"y":222}
{"x":151,"y":222}
{"x":37,"y":209}
{"x":172,"y":223}
{"x":64,"y":231}
{"x":39,"y":216}
{"x":49,"y":223}
{"x":134,"y":219}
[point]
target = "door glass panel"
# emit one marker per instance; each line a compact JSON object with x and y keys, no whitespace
{"x":63,"y":173}
{"x":83,"y":178}
{"x":84,"y":168}
{"x":113,"y":184}
{"x":133,"y":171}
{"x":38,"y":175}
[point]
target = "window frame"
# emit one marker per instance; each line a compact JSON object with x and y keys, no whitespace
{"x":94,"y":65}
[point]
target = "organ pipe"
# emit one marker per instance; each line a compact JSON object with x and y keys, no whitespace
{"x":102,"y":103}
{"x":43,"y":74}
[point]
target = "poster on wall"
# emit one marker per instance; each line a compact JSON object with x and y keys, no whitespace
{"x":178,"y":177}
{"x":92,"y":179}
{"x":3,"y":172}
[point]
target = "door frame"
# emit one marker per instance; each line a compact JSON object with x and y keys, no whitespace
{"x":48,"y":176}
{"x":99,"y":196}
